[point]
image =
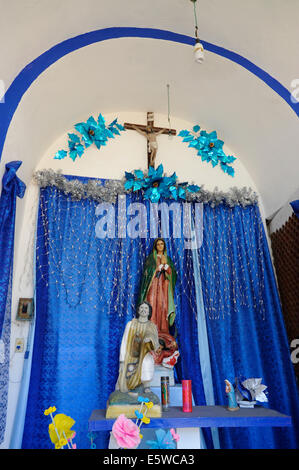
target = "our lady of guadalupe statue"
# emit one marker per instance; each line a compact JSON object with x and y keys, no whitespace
{"x":157,"y":288}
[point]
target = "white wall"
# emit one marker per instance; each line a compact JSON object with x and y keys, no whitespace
{"x":131,"y":74}
{"x":124,"y":153}
{"x":128,"y":151}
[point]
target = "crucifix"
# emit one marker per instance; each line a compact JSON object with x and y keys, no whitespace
{"x":151,"y":133}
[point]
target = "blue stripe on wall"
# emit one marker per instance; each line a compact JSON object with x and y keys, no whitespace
{"x":31,"y":72}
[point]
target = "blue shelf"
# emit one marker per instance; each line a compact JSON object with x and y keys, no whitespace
{"x":202,"y":417}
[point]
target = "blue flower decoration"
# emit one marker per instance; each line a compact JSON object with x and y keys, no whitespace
{"x":155,"y":185}
{"x":143,"y":399}
{"x":60,"y":155}
{"x":76,"y":149}
{"x":209,"y":147}
{"x":94,"y":132}
{"x":134,"y":181}
{"x":158,"y":186}
{"x":91,"y":132}
{"x":115,"y":127}
{"x":164,"y":440}
{"x":138,"y":415}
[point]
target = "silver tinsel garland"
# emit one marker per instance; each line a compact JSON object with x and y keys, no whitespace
{"x":111,"y":189}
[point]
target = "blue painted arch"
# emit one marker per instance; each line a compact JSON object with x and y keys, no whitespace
{"x":31,"y":72}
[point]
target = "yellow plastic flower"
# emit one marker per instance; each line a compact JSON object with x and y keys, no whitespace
{"x":62,"y":442}
{"x":62,"y":423}
{"x":50,"y":410}
{"x":145,"y":420}
{"x":141,"y":436}
{"x":149,"y":404}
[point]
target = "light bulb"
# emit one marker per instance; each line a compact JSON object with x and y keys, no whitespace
{"x":198,"y":52}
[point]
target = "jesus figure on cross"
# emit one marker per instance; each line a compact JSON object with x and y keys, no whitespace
{"x":150,"y":133}
{"x":151,"y":137}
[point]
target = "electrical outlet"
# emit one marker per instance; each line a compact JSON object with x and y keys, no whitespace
{"x":19,"y":345}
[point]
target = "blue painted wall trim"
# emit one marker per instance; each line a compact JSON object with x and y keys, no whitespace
{"x":31,"y":72}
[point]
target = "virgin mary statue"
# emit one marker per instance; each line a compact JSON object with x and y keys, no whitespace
{"x":157,"y":286}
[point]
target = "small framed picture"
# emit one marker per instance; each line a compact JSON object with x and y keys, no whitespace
{"x":25,"y":309}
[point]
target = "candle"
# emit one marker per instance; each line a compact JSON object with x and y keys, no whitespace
{"x":165,"y":393}
{"x":187,"y":395}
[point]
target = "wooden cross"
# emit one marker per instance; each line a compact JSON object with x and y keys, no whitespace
{"x":150,"y":132}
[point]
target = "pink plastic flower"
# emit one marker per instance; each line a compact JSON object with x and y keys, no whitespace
{"x":175,"y":436}
{"x":126,"y":432}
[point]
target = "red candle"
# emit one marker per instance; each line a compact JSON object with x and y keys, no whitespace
{"x":187,"y":395}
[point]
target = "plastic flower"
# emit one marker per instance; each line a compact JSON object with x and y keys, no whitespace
{"x":61,"y":428}
{"x":225,"y":164}
{"x":135,"y":181}
{"x":164,"y":440}
{"x":256,"y":389}
{"x":92,"y":132}
{"x":62,"y":442}
{"x":242,"y":393}
{"x":149,"y":405}
{"x":143,"y":399}
{"x":138,"y":414}
{"x":175,"y":436}
{"x":209,"y":147}
{"x":59,"y":444}
{"x":76,"y":149}
{"x":155,"y":185}
{"x":190,"y":136}
{"x":96,"y":132}
{"x":60,"y":155}
{"x":155,"y":176}
{"x":159,"y":186}
{"x":145,"y":420}
{"x":50,"y":410}
{"x":115,"y":127}
{"x":126,"y":432}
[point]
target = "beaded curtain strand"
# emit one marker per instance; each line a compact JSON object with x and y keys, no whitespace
{"x":78,"y":256}
{"x":74,"y":253}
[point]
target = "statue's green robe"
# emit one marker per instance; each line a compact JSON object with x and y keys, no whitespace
{"x":148,"y":276}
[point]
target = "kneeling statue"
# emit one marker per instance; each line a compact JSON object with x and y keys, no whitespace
{"x":136,"y":365}
{"x":136,"y":361}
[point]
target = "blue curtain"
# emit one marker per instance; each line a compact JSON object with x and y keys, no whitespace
{"x":12,"y":187}
{"x":246,"y":330}
{"x":295,"y":207}
{"x":86,"y":291}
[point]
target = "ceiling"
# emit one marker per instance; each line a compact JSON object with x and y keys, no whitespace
{"x":131,"y":74}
